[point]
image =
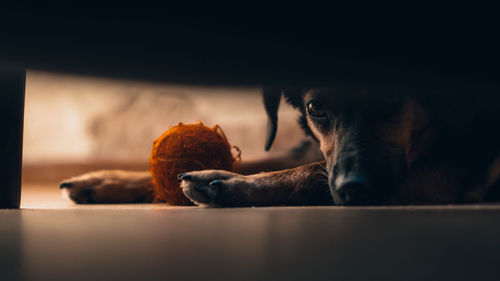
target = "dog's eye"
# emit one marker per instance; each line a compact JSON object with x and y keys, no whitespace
{"x":316,"y":109}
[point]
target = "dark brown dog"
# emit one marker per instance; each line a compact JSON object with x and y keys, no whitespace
{"x":380,"y":146}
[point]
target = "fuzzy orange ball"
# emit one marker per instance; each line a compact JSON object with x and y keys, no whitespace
{"x":185,"y":148}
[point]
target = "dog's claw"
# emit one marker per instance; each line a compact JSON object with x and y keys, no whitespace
{"x":216,"y":183}
{"x":65,"y":185}
{"x":184,"y":176}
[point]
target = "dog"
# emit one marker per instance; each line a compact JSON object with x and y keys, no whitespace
{"x":379,"y":146}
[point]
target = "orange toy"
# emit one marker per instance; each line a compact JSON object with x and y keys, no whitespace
{"x":185,"y":148}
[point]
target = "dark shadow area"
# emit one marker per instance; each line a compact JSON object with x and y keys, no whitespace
{"x":11,"y":136}
{"x":293,"y":45}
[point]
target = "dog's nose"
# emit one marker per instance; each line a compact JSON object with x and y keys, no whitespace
{"x":351,"y":191}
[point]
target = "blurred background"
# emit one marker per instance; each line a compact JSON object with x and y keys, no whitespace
{"x":76,"y":124}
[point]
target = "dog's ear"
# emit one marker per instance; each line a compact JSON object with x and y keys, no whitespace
{"x":272,"y":98}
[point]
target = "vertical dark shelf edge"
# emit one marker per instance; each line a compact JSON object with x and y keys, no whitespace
{"x":12,"y":88}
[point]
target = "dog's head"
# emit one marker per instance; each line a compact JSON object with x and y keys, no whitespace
{"x":369,"y":139}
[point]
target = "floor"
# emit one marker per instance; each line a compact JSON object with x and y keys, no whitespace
{"x":52,"y":239}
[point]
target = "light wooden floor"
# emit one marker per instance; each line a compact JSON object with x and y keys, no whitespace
{"x":52,"y":239}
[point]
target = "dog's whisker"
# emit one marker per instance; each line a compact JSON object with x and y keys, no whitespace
{"x":323,"y":181}
{"x":322,"y":173}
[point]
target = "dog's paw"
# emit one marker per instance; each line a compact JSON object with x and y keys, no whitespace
{"x":109,"y":187}
{"x":216,"y":188}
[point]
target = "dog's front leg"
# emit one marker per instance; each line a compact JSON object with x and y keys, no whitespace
{"x":304,"y":185}
{"x":110,"y":186}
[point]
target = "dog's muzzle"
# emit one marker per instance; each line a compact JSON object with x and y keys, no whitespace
{"x":351,"y":190}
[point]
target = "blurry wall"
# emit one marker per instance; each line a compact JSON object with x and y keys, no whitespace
{"x":83,"y":119}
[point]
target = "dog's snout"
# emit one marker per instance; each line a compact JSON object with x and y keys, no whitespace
{"x":351,"y":191}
